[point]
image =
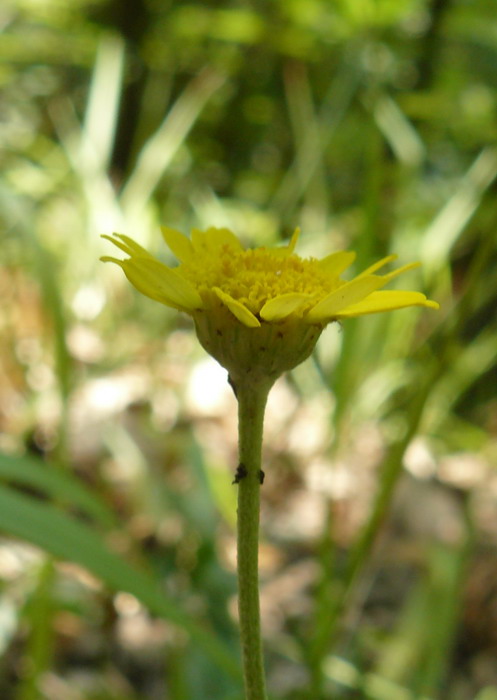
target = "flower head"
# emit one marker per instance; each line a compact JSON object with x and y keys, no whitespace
{"x":258,"y":311}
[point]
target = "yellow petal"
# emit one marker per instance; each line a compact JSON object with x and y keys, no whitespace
{"x":336,"y":263}
{"x":376,"y":266}
{"x":133,"y":278}
{"x":377,"y":302}
{"x":283,"y":305}
{"x":109,"y":258}
{"x":401,"y":270}
{"x":127,"y":245}
{"x":287,"y":250}
{"x":293,"y":241}
{"x":133,"y":245}
{"x":213,"y":239}
{"x":157,"y":281}
{"x":290,"y":248}
{"x":178,"y":243}
{"x":349,"y":293}
{"x":239,"y":310}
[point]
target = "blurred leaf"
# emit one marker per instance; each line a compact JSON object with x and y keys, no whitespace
{"x":451,"y":221}
{"x":418,"y":652}
{"x":159,"y":150}
{"x":399,"y":132}
{"x":372,"y":686}
{"x":487,"y":693}
{"x":233,"y":24}
{"x":466,"y":366}
{"x":103,"y":101}
{"x":40,"y":644}
{"x":57,"y":484}
{"x":46,"y":527}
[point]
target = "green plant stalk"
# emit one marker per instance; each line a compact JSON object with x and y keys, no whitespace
{"x":251,"y":406}
{"x":40,"y":642}
{"x":337,"y":597}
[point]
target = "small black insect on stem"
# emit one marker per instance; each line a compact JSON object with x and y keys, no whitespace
{"x":241,"y":473}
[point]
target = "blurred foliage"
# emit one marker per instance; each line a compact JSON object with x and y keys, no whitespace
{"x":368,"y":123}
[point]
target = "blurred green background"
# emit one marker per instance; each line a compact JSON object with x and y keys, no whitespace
{"x":371,"y":124}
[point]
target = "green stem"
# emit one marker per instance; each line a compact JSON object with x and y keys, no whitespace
{"x":251,"y":406}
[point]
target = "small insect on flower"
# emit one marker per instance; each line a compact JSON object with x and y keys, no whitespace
{"x":242,"y":300}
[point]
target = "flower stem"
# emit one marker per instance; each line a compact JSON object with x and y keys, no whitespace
{"x":251,"y":405}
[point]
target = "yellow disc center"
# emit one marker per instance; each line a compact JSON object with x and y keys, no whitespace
{"x":253,"y":277}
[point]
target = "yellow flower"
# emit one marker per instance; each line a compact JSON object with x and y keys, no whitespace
{"x":260,"y":311}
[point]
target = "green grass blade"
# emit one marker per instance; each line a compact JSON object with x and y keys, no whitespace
{"x":103,"y":101}
{"x":158,"y":152}
{"x":29,"y":471}
{"x":40,"y":643}
{"x":46,"y":527}
{"x":450,"y":223}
